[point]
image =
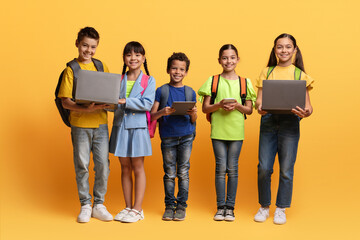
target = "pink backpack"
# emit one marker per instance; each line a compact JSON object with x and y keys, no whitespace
{"x":151,"y":124}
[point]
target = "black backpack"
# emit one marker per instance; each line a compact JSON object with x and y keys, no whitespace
{"x":75,"y":67}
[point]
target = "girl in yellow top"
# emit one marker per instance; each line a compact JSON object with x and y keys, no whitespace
{"x":280,"y":133}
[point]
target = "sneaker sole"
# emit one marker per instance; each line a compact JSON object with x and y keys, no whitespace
{"x":167,"y":219}
{"x":229,"y":219}
{"x":82,"y":221}
{"x":131,"y":221}
{"x":219,"y":219}
{"x":260,"y":221}
{"x":279,"y":223}
{"x":179,"y":219}
{"x":102,"y":219}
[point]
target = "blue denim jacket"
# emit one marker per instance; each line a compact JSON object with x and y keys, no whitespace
{"x":134,"y":111}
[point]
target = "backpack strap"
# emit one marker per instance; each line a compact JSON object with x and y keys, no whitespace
{"x":75,"y":67}
{"x":188,"y":93}
{"x":164,"y":96}
{"x":269,"y":71}
{"x":214,"y":87}
{"x":297,"y":73}
{"x":144,"y":82}
{"x":98,"y":64}
{"x":243,"y":91}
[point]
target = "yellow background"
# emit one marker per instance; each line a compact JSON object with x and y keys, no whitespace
{"x":38,"y":192}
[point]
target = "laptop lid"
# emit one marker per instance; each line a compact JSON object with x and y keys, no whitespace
{"x":280,"y":96}
{"x":97,"y":87}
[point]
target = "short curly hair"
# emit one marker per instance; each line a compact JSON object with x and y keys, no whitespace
{"x":178,"y":56}
{"x":87,"y":32}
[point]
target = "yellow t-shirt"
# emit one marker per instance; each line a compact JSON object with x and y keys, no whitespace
{"x":283,"y":73}
{"x":82,"y":119}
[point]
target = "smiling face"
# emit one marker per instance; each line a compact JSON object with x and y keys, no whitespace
{"x":177,"y":72}
{"x":284,"y":51}
{"x":228,"y":60}
{"x":87,"y":48}
{"x":134,"y":60}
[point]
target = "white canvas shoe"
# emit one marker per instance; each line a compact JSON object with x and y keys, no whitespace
{"x":122,"y":214}
{"x":100,"y":212}
{"x":133,"y":216}
{"x":262,"y":214}
{"x":280,"y":216}
{"x":85,"y":214}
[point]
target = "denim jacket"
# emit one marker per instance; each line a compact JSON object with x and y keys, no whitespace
{"x":133,"y":112}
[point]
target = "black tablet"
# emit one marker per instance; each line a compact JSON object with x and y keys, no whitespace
{"x":182,"y":107}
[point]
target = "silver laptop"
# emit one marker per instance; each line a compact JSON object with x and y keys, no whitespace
{"x":280,"y":96}
{"x":97,"y":87}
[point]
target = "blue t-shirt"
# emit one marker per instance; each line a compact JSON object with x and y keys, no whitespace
{"x":177,"y":125}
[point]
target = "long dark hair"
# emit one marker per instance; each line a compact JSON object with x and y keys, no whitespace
{"x":137,"y":48}
{"x":298,"y":57}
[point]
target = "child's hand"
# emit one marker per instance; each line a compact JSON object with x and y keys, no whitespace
{"x":192,"y":112}
{"x":303,"y":113}
{"x":260,"y":111}
{"x":167,"y":111}
{"x":92,"y":107}
{"x":230,"y":106}
{"x":122,"y":101}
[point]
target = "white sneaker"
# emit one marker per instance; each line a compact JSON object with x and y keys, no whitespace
{"x":133,"y":216}
{"x":85,"y":214}
{"x":280,"y":216}
{"x":122,"y":214}
{"x":262,"y":214}
{"x":100,"y":212}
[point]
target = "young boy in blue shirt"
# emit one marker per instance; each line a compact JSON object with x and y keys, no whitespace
{"x":177,"y":133}
{"x":89,"y":132}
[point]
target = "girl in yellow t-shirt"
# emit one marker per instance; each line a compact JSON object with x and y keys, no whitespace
{"x":279,"y":133}
{"x":227,"y":128}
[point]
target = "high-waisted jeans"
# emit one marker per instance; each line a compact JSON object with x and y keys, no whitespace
{"x":278,"y":134}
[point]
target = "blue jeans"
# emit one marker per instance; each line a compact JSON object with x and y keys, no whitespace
{"x":176,"y":153}
{"x":278,"y":134}
{"x":227,"y":157}
{"x":84,"y":141}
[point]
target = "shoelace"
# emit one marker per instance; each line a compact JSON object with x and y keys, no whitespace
{"x":280,"y":213}
{"x":220,"y":212}
{"x":85,"y":211}
{"x":102,"y":209}
{"x":262,"y":211}
{"x":229,"y":211}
